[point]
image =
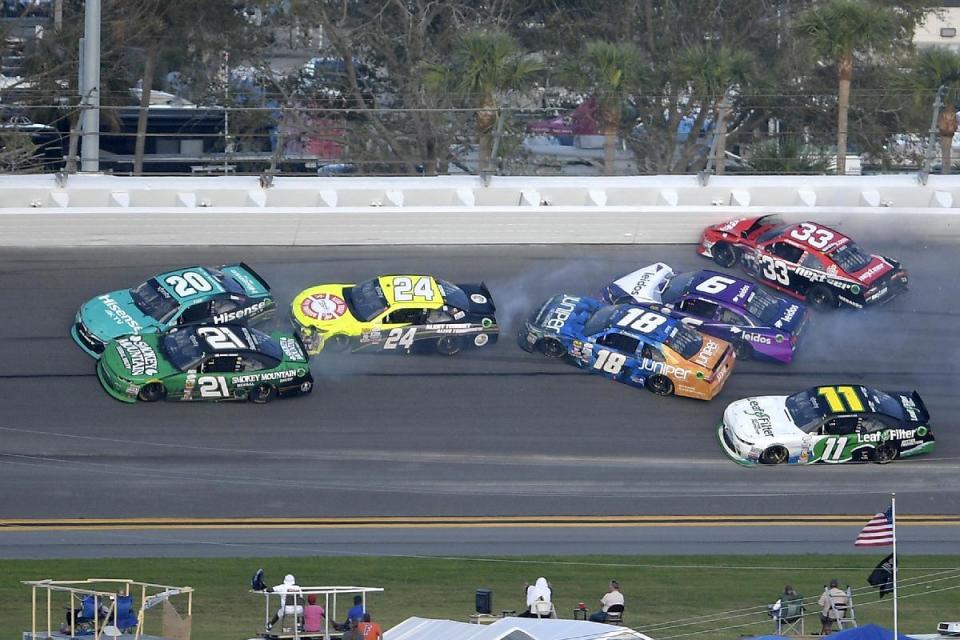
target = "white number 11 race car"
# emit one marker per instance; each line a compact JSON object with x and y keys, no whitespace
{"x":826,"y":424}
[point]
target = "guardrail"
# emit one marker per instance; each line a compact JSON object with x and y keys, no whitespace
{"x":45,"y":210}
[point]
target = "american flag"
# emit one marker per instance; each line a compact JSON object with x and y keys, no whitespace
{"x":878,"y":532}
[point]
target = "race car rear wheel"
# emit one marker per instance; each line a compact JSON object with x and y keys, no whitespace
{"x":660,"y":385}
{"x":552,"y":348}
{"x":821,"y":297}
{"x":724,"y":254}
{"x":336,"y":343}
{"x":152,"y":392}
{"x":449,"y":345}
{"x":774,"y":455}
{"x":262,"y":393}
{"x":884,"y":453}
{"x":743,"y":350}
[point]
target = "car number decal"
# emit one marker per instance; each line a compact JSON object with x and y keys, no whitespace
{"x":188,"y":283}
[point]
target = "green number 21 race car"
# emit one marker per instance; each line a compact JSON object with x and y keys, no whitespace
{"x":204,"y":362}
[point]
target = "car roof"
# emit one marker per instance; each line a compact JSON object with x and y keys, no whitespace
{"x":253,"y":340}
{"x":657,"y":335}
{"x":837,"y":240}
{"x":736,"y":294}
{"x":870,"y":400}
{"x":171,"y":287}
{"x":387,"y":287}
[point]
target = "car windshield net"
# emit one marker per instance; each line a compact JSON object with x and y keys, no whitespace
{"x":600,"y":320}
{"x":763,"y":306}
{"x":850,"y":258}
{"x":685,"y":342}
{"x":805,"y":410}
{"x":366,"y":300}
{"x":154,"y":300}
{"x":676,"y":287}
{"x":453,"y":295}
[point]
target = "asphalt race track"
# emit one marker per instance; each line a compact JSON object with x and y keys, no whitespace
{"x":497,"y":432}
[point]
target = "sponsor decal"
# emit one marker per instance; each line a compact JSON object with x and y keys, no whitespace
{"x":481,"y":339}
{"x":486,"y":323}
{"x":888,"y":434}
{"x":805,"y":450}
{"x":909,"y":406}
{"x":115,"y":311}
{"x":668,"y":370}
{"x":260,"y":377}
{"x":762,"y":423}
{"x":246,"y":281}
{"x":142,"y":358}
{"x":872,"y":271}
{"x":582,"y":350}
{"x":759,"y":338}
{"x":323,"y":306}
{"x":708,"y":351}
{"x":561,"y":313}
{"x":850,"y":302}
{"x":731,"y":225}
{"x":239,"y":314}
{"x":459,"y":315}
{"x":789,"y":313}
{"x":879,"y":294}
{"x":291,"y":349}
{"x":744,"y":290}
{"x":371,"y":336}
{"x":189,"y":384}
{"x":478,"y":298}
{"x":641,"y":283}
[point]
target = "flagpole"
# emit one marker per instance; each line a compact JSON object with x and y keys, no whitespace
{"x":893,"y":522}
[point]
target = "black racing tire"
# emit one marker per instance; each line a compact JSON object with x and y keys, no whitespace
{"x":262,"y":393}
{"x":725,"y":254}
{"x":821,"y":297}
{"x":660,"y":384}
{"x":885,"y":453}
{"x":552,"y":348}
{"x":152,"y":392}
{"x":776,"y":454}
{"x":336,"y":343}
{"x":449,"y":345}
{"x":743,"y":350}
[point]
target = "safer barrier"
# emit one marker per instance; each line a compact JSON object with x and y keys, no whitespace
{"x":44,"y":210}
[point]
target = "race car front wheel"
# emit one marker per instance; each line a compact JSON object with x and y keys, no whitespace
{"x":152,"y":392}
{"x":263,"y":393}
{"x":885,"y":453}
{"x":336,"y":343}
{"x":821,"y":297}
{"x":724,"y":254}
{"x":743,"y":349}
{"x":660,"y":385}
{"x":449,"y":345}
{"x":774,"y":455}
{"x":552,"y":348}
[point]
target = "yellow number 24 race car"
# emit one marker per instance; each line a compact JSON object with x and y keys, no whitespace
{"x":395,"y":313}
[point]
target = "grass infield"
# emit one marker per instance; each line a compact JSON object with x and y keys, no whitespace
{"x":716,"y":597}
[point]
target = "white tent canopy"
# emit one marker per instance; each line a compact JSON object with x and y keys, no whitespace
{"x":510,"y":629}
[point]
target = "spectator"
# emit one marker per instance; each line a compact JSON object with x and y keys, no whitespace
{"x":538,"y":592}
{"x":612,"y":597}
{"x":354,"y":615}
{"x":833,"y":598}
{"x":369,"y":630}
{"x":789,"y":598}
{"x":290,"y":599}
{"x":312,"y":615}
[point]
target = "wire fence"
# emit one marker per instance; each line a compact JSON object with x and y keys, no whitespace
{"x":323,"y":137}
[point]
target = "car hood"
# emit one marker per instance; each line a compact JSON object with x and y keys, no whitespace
{"x":642,"y":285}
{"x":136,"y":358}
{"x":761,"y":418}
{"x":114,"y":314}
{"x":323,"y":306}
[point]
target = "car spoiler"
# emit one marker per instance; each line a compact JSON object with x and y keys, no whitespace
{"x":486,"y":293}
{"x":922,"y":414}
{"x":256,"y":276}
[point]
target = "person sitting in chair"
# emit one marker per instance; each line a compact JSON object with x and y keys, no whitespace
{"x":292,"y":604}
{"x":833,"y":601}
{"x":611,"y":598}
{"x":312,"y":615}
{"x":788,"y":608}
{"x":539,"y":604}
{"x":354,"y":615}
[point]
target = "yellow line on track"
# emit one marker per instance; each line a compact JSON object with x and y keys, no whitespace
{"x":438,"y":522}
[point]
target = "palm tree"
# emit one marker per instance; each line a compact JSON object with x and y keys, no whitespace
{"x":935,"y":68}
{"x":613,"y":71}
{"x":484,"y":64}
{"x":837,"y":30}
{"x":711,"y":71}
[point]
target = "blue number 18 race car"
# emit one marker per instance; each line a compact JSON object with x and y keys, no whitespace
{"x":630,"y":344}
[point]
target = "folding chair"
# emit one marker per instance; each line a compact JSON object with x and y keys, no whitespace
{"x":789,"y":618}
{"x":542,"y":609}
{"x":846,"y":617}
{"x":615,"y":614}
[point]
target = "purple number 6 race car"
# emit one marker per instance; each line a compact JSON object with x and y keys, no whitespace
{"x":757,"y":323}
